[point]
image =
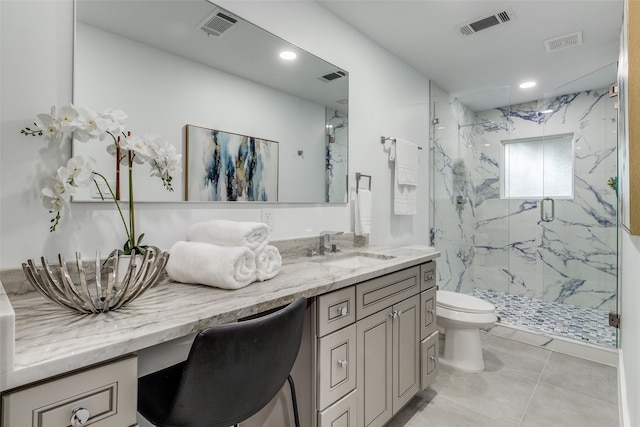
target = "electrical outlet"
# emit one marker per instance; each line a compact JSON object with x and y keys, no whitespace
{"x":266,"y":216}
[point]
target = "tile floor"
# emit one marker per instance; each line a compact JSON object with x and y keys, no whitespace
{"x":522,"y":386}
{"x":582,"y":324}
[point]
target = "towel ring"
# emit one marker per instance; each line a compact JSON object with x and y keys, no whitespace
{"x":360,"y":175}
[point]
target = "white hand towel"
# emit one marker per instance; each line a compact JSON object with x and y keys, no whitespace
{"x":268,"y":263}
{"x":363,"y":212}
{"x":211,"y":265}
{"x":407,"y":156}
{"x":404,"y":199}
{"x":253,"y":235}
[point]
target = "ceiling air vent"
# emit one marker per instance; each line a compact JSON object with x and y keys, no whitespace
{"x":332,"y":76}
{"x":480,"y":24}
{"x":218,"y":23}
{"x":563,"y":42}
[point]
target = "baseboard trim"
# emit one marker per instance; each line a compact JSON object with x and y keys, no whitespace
{"x":623,"y":405}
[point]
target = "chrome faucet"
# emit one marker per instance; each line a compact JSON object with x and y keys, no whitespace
{"x":325,"y":238}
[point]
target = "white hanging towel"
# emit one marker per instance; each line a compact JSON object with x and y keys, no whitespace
{"x":406,"y":156}
{"x":363,"y":212}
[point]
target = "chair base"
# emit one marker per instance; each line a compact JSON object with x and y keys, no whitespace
{"x":463,"y":350}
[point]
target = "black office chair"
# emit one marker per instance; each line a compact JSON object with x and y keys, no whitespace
{"x":232,"y":372}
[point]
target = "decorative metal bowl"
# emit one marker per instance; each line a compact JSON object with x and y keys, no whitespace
{"x":96,"y":289}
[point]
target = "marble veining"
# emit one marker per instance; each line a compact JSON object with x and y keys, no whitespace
{"x":50,"y":340}
{"x":501,"y":244}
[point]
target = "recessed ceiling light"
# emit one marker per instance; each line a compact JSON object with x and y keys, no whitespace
{"x":288,"y":55}
{"x":527,"y":85}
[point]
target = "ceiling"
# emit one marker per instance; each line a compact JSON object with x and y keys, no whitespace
{"x":485,"y":68}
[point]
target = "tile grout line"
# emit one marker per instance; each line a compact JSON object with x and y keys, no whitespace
{"x":526,"y":408}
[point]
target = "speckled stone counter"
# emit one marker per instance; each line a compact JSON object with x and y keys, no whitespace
{"x":50,"y":340}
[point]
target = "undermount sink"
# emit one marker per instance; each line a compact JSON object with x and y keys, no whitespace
{"x":355,"y":260}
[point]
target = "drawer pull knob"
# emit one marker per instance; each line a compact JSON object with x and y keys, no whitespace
{"x":79,"y":416}
{"x":343,"y":311}
{"x":342,"y":363}
{"x":435,"y":359}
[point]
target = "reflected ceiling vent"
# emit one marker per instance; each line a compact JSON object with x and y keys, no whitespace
{"x":218,"y":23}
{"x":563,"y":42}
{"x":333,"y":76}
{"x":480,"y":24}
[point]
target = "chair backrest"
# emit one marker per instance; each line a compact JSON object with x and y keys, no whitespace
{"x":234,"y":370}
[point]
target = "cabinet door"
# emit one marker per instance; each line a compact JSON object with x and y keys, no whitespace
{"x":375,"y":390}
{"x":428,"y":360}
{"x":107,"y":393}
{"x":428,"y":313}
{"x":336,"y":365}
{"x":406,"y":351}
{"x":340,"y":414}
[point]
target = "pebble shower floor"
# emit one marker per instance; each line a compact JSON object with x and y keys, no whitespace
{"x":570,"y":321}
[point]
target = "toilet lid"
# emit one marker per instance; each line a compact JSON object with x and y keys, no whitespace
{"x":462,"y":302}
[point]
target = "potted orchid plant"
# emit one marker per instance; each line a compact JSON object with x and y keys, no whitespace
{"x":87,"y":125}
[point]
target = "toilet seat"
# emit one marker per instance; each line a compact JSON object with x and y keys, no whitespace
{"x":463,"y":303}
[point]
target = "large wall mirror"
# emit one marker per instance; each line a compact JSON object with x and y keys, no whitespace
{"x":174,"y":65}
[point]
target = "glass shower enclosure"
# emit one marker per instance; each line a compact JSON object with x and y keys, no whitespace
{"x":524,"y":210}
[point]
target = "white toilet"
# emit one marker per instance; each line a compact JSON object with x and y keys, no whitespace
{"x":461,"y":316}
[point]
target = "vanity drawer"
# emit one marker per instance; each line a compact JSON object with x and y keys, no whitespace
{"x":427,"y":275}
{"x":336,"y":310}
{"x":429,"y":360}
{"x":340,"y":414}
{"x":427,"y":312}
{"x":108,"y":392}
{"x":336,"y":365}
{"x":382,"y":292}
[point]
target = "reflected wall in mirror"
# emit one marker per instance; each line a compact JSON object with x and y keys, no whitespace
{"x":154,"y":60}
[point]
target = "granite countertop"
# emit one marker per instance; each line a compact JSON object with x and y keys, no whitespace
{"x":50,"y":340}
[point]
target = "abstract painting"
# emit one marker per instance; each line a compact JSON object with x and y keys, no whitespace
{"x":224,"y":166}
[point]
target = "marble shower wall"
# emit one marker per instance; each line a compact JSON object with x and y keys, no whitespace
{"x":500,"y":244}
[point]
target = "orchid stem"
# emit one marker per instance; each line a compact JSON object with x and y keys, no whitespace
{"x":124,"y":222}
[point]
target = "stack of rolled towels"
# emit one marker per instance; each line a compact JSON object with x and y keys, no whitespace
{"x":224,"y":254}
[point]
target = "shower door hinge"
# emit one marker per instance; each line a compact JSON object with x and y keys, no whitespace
{"x":614,"y":320}
{"x":613,"y":90}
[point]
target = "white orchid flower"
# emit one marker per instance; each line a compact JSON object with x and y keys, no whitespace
{"x":112,"y":121}
{"x":81,"y":171}
{"x":90,"y":125}
{"x":49,"y":126}
{"x":68,"y":118}
{"x":139,"y":146}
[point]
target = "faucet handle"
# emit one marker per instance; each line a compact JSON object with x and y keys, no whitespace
{"x":335,"y":248}
{"x":311,"y":252}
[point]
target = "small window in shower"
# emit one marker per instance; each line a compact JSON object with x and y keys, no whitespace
{"x":537,"y":167}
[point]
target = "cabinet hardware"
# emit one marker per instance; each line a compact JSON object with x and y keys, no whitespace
{"x":343,"y":311}
{"x":79,"y":417}
{"x":342,"y":363}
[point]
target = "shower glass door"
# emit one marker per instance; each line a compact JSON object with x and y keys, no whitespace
{"x":578,"y":214}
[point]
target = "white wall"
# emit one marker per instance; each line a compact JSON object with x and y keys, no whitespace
{"x":386,"y":98}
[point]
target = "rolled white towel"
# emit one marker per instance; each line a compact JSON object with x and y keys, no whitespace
{"x":211,"y":265}
{"x":252,"y":235}
{"x":268,"y":263}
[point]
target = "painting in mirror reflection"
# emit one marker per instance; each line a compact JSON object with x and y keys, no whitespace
{"x":224,"y":166}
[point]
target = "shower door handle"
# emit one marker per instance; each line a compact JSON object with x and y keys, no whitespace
{"x":544,"y":217}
